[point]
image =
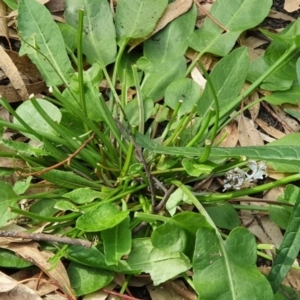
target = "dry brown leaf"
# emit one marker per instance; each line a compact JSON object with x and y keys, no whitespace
{"x":10,"y":94}
{"x":162,"y":292}
{"x":279,"y":15}
{"x":198,"y":78}
{"x":230,"y":132}
{"x":7,"y":65}
{"x":248,"y":134}
{"x":254,"y":109}
{"x":3,"y":22}
{"x":10,"y":289}
{"x":269,"y":129}
{"x":291,"y":5}
{"x":293,"y":125}
{"x":56,"y":5}
{"x":30,"y":251}
{"x":173,"y":11}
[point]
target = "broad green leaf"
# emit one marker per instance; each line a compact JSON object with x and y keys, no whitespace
{"x":94,"y":258}
{"x":11,"y":4}
{"x":281,"y":79}
{"x":116,"y":242}
{"x":223,"y":215}
{"x":171,"y":42}
{"x":6,"y":195}
{"x":132,"y":112}
{"x":289,"y":248}
{"x":83,"y":195}
{"x":68,"y":180}
{"x":99,"y":39}
{"x":236,"y":17}
{"x":228,"y":78}
{"x":161,"y":265}
{"x":282,"y":154}
{"x":65,"y":205}
{"x":44,"y":208}
{"x":175,"y":198}
{"x":70,"y":36}
{"x":193,"y":168}
{"x":185,"y":90}
{"x":33,"y":119}
{"x":21,"y":186}
{"x":226,"y":269}
{"x":293,"y":112}
{"x":24,"y":148}
{"x":9,"y":260}
{"x":292,"y":140}
{"x":288,"y":96}
{"x":104,"y":216}
{"x":40,"y":34}
{"x":137,"y":18}
{"x":181,"y":231}
{"x":92,"y":77}
{"x":159,"y":76}
{"x":177,"y":240}
{"x":85,"y":280}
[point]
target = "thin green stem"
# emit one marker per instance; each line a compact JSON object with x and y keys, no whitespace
{"x":80,"y":61}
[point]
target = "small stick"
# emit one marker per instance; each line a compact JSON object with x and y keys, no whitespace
{"x":210,"y":16}
{"x":165,"y":198}
{"x":46,"y":237}
{"x":67,"y":160}
{"x":122,"y":296}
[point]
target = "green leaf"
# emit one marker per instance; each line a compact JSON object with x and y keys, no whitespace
{"x":83,"y":195}
{"x":65,"y":205}
{"x":9,"y":260}
{"x":223,"y":215}
{"x":288,"y":96}
{"x":175,"y":198}
{"x":228,"y":78}
{"x":185,"y":90}
{"x":286,"y":292}
{"x":171,"y":42}
{"x":137,"y":18}
{"x":39,"y":32}
{"x":31,"y":116}
{"x":132,"y":112}
{"x":226,"y":269}
{"x":236,"y":17}
{"x":152,"y":260}
{"x":94,"y":258}
{"x":24,"y":148}
{"x":68,"y":180}
{"x":70,"y":36}
{"x":291,"y":140}
{"x":85,"y":280}
{"x":104,"y":216}
{"x":195,"y":169}
{"x":44,"y":208}
{"x":6,"y":195}
{"x":99,"y":40}
{"x":20,"y":187}
{"x":11,"y":4}
{"x":289,"y":248}
{"x":159,"y":76}
{"x":116,"y":242}
{"x":282,"y":154}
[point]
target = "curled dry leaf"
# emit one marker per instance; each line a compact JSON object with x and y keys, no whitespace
{"x":30,"y":251}
{"x":291,"y":5}
{"x":198,"y":78}
{"x":248,"y":134}
{"x":228,"y":135}
{"x":10,"y":289}
{"x":279,"y":15}
{"x":10,"y":69}
{"x":173,"y":11}
{"x":254,"y":109}
{"x":3,"y":22}
{"x":269,"y":129}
